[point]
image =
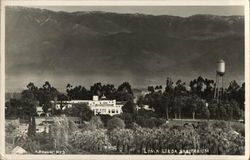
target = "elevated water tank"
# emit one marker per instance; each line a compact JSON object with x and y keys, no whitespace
{"x":220,"y":67}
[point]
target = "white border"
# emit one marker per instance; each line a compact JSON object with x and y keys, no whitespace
{"x":123,"y":3}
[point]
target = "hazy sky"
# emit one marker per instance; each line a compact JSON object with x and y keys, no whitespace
{"x":182,"y":11}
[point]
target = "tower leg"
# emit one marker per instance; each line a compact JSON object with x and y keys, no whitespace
{"x":216,"y":87}
{"x":222,"y":87}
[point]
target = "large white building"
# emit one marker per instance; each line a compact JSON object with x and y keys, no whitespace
{"x":98,"y":106}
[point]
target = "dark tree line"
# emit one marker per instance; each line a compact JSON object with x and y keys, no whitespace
{"x":122,"y":93}
{"x":176,"y":101}
{"x":33,"y":96}
{"x":25,"y":107}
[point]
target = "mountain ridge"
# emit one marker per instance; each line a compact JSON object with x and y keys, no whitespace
{"x":144,"y":48}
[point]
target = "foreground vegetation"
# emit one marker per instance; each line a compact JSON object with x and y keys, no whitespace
{"x":216,"y":138}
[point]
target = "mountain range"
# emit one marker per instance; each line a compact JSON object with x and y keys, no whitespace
{"x":87,"y":47}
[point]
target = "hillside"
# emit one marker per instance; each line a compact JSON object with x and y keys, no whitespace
{"x":144,"y":49}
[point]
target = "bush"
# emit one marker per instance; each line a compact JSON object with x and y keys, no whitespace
{"x":91,"y":141}
{"x":115,"y":122}
{"x":238,"y":128}
{"x":96,"y":123}
{"x":129,"y":107}
{"x":127,"y":118}
{"x":105,"y":119}
{"x":221,"y":142}
{"x":221,"y":125}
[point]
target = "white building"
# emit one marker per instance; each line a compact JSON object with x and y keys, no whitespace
{"x":102,"y":106}
{"x":39,"y":110}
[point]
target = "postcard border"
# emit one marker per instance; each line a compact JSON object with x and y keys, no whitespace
{"x":4,"y":3}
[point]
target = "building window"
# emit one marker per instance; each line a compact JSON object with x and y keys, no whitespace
{"x":116,"y":111}
{"x":113,"y":111}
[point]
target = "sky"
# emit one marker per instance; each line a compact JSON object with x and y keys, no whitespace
{"x":182,"y":11}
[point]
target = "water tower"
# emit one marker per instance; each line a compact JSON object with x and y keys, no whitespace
{"x":220,"y":71}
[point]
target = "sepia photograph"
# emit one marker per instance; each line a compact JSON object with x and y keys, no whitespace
{"x":124,"y":80}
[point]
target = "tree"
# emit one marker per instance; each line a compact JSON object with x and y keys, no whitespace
{"x":237,"y":93}
{"x":129,"y":107}
{"x":203,"y":109}
{"x":213,"y":109}
{"x":124,"y":92}
{"x":127,"y":118}
{"x":123,"y":96}
{"x":11,"y":132}
{"x":196,"y":86}
{"x":180,"y":88}
{"x":105,"y":118}
{"x":198,"y":106}
{"x":158,"y":88}
{"x":89,"y":141}
{"x":96,"y":123}
{"x":200,"y":83}
{"x":80,"y":110}
{"x":13,"y":108}
{"x":61,"y":131}
{"x":155,"y":101}
{"x":109,"y":91}
{"x":168,"y":98}
{"x":32,"y":128}
{"x":222,"y":111}
{"x":97,"y":89}
{"x":151,"y":89}
{"x":62,"y":97}
{"x":47,"y":93}
{"x":178,"y":104}
{"x":192,"y":104}
{"x":167,"y":103}
{"x":241,"y":97}
{"x":208,"y":92}
{"x":232,"y":109}
{"x":115,"y":122}
{"x":31,"y":86}
{"x":122,"y":139}
{"x":78,"y":92}
{"x":29,"y":103}
{"x":237,"y":112}
{"x":125,"y":87}
{"x":169,"y":86}
{"x":141,"y":101}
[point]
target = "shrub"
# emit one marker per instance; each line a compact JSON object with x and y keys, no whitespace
{"x":96,"y":123}
{"x":238,"y":128}
{"x":91,"y":141}
{"x":220,"y":124}
{"x":115,"y":122}
{"x":105,"y":119}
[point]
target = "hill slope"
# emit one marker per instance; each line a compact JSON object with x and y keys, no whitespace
{"x":139,"y":48}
